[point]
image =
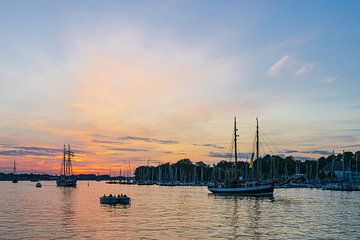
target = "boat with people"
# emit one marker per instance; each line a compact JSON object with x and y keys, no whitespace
{"x":249,"y":187}
{"x":113,"y":199}
{"x":67,"y":179}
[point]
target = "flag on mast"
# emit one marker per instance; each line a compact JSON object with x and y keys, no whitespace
{"x":251,"y":161}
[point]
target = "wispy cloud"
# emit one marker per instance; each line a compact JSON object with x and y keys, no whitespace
{"x":290,"y":66}
{"x":24,"y":153}
{"x":39,"y":149}
{"x":351,"y":146}
{"x":330,"y":79}
{"x":209,"y":145}
{"x":130,"y":149}
{"x":322,"y":152}
{"x":304,"y":68}
{"x":279,"y":66}
{"x":106,"y":141}
{"x":177,"y":153}
{"x":228,"y":155}
{"x":146,"y":139}
{"x":290,"y":151}
{"x":295,"y":41}
{"x":12,"y":150}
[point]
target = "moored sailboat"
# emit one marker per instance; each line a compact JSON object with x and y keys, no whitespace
{"x":67,"y":179}
{"x":253,"y":187}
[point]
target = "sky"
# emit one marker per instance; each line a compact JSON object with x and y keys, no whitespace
{"x":124,"y":81}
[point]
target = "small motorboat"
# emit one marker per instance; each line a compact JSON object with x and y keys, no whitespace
{"x":38,"y":185}
{"x":113,"y":199}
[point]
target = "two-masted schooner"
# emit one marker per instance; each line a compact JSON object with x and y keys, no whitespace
{"x":250,"y":187}
{"x":67,"y":179}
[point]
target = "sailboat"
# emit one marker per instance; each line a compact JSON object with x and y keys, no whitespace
{"x":67,"y":179}
{"x":15,"y":179}
{"x":254,"y":187}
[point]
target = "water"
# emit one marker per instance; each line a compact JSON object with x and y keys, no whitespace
{"x":158,"y":212}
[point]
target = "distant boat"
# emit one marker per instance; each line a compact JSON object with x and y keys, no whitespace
{"x":38,"y":185}
{"x":67,"y":179}
{"x":248,"y":187}
{"x":112,"y":181}
{"x":15,"y":178}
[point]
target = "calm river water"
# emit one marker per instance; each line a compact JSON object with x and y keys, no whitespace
{"x":168,"y":213}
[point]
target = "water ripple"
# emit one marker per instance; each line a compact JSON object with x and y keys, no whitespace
{"x":174,"y":213}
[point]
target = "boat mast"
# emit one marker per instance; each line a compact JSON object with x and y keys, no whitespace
{"x":147,"y":169}
{"x":332,"y":165}
{"x":257,"y":150}
{"x":343,"y":165}
{"x":349,"y":170}
{"x":356,"y":165}
{"x":235,"y":148}
{"x":130,"y":169}
{"x":159,"y":173}
{"x":14,"y":168}
{"x":69,"y":161}
{"x":64,"y":163}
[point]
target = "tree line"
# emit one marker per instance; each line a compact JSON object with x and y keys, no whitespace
{"x":270,"y":167}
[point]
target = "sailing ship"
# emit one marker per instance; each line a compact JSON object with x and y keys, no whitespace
{"x":252,"y":187}
{"x":67,"y":179}
{"x":15,"y":178}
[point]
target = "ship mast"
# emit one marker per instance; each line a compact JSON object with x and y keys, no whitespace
{"x":14,"y":168}
{"x":64,"y":163}
{"x":332,"y":165}
{"x":235,"y":148}
{"x":356,"y":164}
{"x":68,"y":161}
{"x":235,"y":140}
{"x":257,"y":150}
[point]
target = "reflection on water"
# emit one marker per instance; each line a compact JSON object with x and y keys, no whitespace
{"x":174,"y":213}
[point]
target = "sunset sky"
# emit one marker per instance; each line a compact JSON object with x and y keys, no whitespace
{"x":129,"y":80}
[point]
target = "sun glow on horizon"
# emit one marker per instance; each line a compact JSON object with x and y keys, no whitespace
{"x":123,"y":86}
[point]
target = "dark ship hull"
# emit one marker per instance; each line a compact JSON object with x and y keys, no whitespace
{"x":259,"y":190}
{"x":66,"y":182}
